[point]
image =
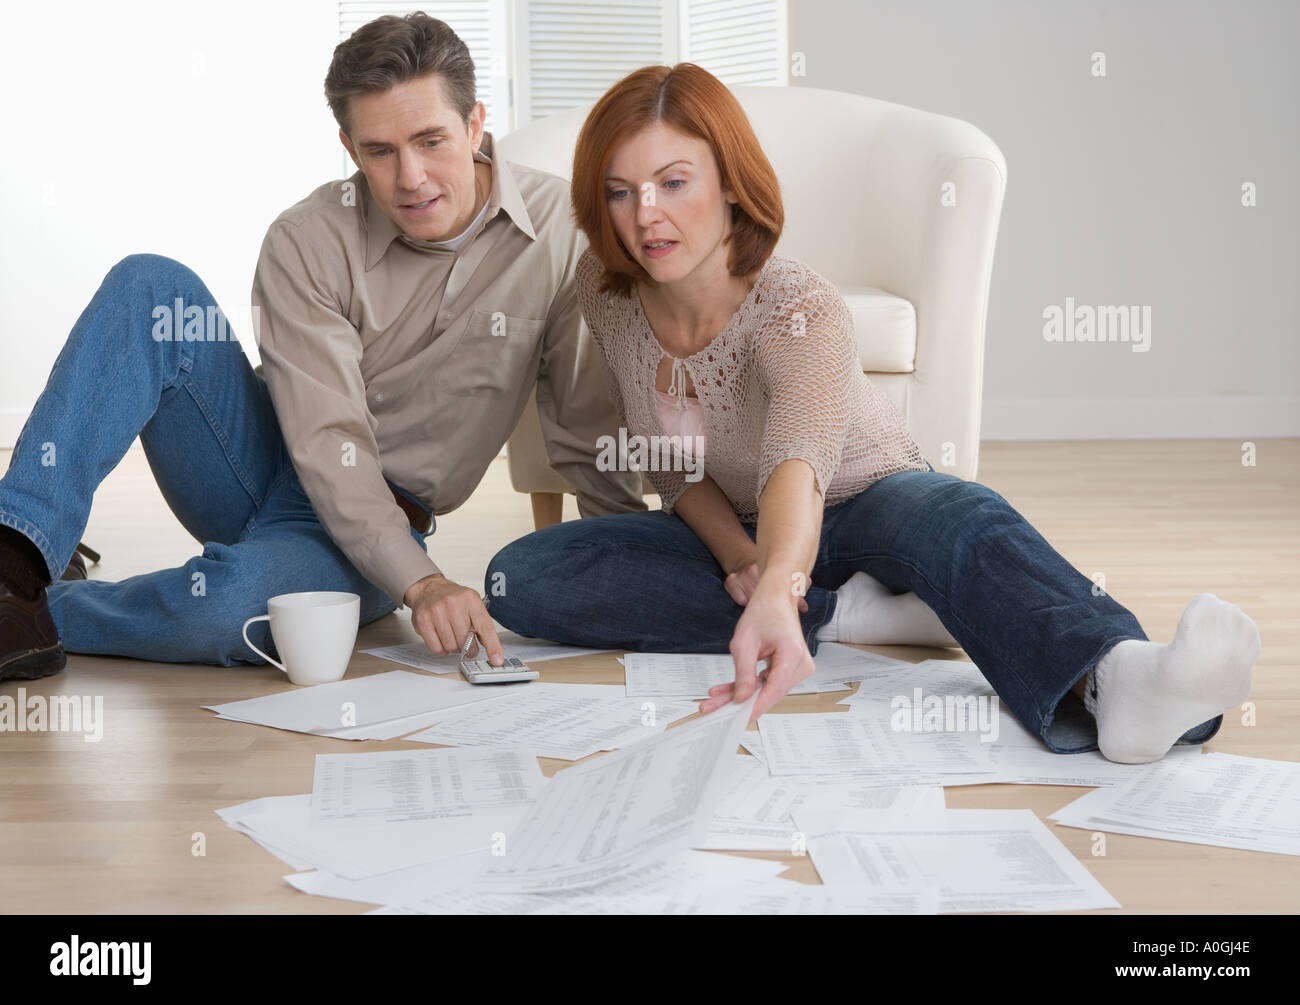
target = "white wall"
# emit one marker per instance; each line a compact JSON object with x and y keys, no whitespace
{"x":181,"y":129}
{"x":1123,"y":190}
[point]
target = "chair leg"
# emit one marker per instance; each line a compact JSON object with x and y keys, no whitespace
{"x":548,"y":508}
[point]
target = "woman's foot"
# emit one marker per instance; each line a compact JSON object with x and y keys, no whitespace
{"x":1145,"y":695}
{"x":867,"y":613}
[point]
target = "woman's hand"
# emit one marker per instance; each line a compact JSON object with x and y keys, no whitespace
{"x":742,"y":581}
{"x":768,"y":630}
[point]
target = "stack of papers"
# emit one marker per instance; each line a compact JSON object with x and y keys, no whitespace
{"x":1214,"y":799}
{"x":379,"y":707}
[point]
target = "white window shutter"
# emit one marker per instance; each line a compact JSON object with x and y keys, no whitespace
{"x":738,"y":41}
{"x":569,"y":52}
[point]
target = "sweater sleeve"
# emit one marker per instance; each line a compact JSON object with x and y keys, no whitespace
{"x":806,"y":355}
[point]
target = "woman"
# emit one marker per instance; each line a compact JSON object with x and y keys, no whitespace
{"x":813,"y":493}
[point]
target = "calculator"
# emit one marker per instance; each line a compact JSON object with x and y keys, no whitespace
{"x":483,"y":672}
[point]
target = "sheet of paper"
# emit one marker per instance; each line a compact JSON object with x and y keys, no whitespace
{"x":359,"y":850}
{"x":752,"y":742}
{"x":981,"y":860}
{"x":1017,"y":755}
{"x":230,"y":815}
{"x":754,"y":813}
{"x":398,"y":785}
{"x":768,"y":898}
{"x":416,"y":654}
{"x":691,"y":675}
{"x":943,"y":677}
{"x":565,"y":721}
{"x":1215,"y":799}
{"x":661,"y":886}
{"x":1021,"y":758}
{"x":847,"y":743}
{"x":412,"y":884}
{"x":841,"y":664}
{"x":604,"y":817}
{"x":358,"y":707}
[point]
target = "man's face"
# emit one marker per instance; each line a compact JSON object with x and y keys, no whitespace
{"x":417,"y":156}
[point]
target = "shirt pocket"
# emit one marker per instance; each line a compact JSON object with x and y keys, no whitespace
{"x":493,"y":355}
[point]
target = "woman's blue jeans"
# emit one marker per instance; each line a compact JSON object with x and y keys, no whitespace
{"x":211,"y":437}
{"x":1027,"y":618}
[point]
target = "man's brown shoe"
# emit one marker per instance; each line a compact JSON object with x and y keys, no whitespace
{"x":29,"y":643}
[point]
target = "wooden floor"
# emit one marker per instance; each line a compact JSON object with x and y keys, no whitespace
{"x":110,"y":826}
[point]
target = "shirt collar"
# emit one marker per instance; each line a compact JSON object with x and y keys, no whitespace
{"x":505,"y":195}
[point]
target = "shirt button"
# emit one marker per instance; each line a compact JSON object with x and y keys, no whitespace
{"x":379,"y":397}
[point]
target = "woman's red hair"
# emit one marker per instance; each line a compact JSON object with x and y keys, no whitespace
{"x":695,"y":102}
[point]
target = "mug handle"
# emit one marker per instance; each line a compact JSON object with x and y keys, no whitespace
{"x":260,"y":617}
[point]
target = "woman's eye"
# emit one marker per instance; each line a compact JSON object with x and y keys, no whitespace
{"x":674,"y":181}
{"x":616,"y":194}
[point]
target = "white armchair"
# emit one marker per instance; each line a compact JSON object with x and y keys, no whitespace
{"x":897,"y":207}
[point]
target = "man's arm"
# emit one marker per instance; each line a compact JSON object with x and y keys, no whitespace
{"x":311,"y":356}
{"x":575,"y":409}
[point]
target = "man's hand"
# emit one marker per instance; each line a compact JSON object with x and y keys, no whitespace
{"x":443,"y":613}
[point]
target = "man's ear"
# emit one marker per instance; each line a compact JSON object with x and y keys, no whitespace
{"x":347,"y":145}
{"x":477,"y":116}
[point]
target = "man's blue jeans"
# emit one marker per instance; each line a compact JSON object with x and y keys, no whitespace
{"x":210,"y":435}
{"x":1026,"y":617}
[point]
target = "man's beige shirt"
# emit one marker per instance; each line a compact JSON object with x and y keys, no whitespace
{"x":390,"y":358}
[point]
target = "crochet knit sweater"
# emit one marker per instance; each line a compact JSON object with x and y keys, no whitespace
{"x":782,"y":380}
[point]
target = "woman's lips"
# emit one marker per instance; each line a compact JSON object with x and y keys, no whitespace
{"x":659,"y":252}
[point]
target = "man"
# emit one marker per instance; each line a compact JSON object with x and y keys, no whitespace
{"x":405,"y":315}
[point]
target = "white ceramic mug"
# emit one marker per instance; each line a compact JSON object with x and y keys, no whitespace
{"x":314,"y":633}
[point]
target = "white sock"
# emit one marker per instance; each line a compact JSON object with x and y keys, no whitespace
{"x":1145,"y":695}
{"x":866,"y":613}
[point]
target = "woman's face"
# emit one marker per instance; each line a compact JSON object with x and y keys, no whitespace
{"x":663,"y":185}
